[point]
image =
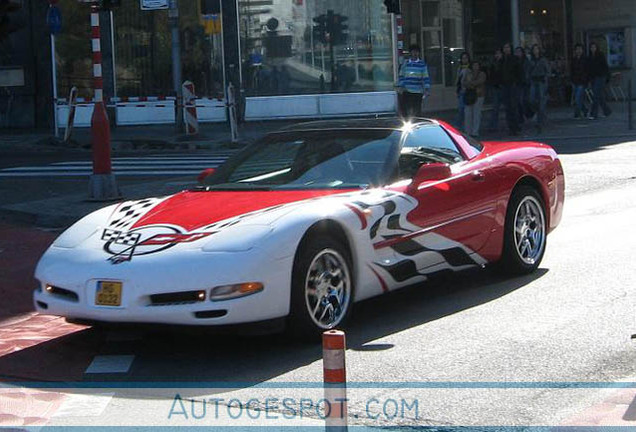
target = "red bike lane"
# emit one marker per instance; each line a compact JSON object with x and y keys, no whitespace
{"x":34,"y":346}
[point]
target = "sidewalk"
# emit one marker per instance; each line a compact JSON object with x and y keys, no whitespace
{"x":64,"y":210}
{"x":214,"y":136}
{"x":561,"y":124}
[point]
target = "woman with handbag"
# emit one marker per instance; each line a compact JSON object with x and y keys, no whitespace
{"x":474,"y":87}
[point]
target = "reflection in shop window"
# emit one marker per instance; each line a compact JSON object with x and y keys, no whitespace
{"x":432,"y":43}
{"x":73,"y":51}
{"x":283,"y":55}
{"x":144,"y":54}
{"x":452,"y":19}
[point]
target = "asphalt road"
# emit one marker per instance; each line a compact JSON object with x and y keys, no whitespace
{"x":570,"y":322}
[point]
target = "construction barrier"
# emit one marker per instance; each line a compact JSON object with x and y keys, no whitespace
{"x":190,"y":111}
{"x":335,"y":380}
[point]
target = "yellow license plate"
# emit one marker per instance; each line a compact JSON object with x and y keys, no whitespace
{"x":108,"y":293}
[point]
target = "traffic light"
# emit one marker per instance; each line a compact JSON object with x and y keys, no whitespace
{"x":321,"y":29}
{"x":7,"y":26}
{"x":107,"y":5}
{"x":392,"y":6}
{"x":339,"y":29}
{"x":210,"y":7}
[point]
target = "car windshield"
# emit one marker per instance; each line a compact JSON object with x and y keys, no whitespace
{"x":332,"y":159}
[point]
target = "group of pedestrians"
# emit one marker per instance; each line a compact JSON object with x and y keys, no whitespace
{"x":520,"y":83}
{"x":592,"y":72}
{"x":517,"y":81}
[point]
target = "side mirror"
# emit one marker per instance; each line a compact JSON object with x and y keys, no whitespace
{"x":205,"y":174}
{"x":430,"y":172}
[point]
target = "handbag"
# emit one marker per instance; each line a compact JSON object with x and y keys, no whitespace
{"x":470,"y":97}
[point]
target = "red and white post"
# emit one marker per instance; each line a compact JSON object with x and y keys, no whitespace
{"x":103,"y":186}
{"x":335,"y":380}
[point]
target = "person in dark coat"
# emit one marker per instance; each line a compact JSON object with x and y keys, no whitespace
{"x":580,"y":80}
{"x":510,"y":76}
{"x":598,"y":71}
{"x":539,"y":72}
{"x":494,"y":82}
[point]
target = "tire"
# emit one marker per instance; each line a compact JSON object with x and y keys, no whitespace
{"x":334,"y":296}
{"x":523,"y":248}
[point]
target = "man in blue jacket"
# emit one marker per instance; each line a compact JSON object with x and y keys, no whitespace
{"x":414,"y":84}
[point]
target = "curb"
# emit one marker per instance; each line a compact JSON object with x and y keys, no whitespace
{"x":58,"y":221}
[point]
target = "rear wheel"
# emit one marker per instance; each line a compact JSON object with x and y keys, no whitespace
{"x":525,"y":232}
{"x":322,"y":288}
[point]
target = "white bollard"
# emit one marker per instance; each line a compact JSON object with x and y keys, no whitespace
{"x":189,"y":108}
{"x":335,"y":380}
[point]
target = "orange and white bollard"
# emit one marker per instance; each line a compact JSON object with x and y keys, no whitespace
{"x":335,"y":380}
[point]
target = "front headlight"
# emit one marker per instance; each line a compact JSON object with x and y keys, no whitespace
{"x":237,"y":238}
{"x":227,"y":292}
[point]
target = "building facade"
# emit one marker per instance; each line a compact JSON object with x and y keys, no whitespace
{"x":276,"y":52}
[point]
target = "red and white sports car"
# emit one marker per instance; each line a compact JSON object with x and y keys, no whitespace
{"x":305,"y":222}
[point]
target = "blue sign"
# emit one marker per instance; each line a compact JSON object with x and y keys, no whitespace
{"x":54,"y":19}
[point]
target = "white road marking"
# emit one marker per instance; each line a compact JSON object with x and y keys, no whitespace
{"x":110,"y":364}
{"x":132,"y":166}
{"x":84,"y":405}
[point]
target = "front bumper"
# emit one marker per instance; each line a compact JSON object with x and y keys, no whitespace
{"x":79,"y":271}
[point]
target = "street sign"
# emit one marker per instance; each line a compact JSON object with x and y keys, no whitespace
{"x":54,"y":19}
{"x":153,"y":4}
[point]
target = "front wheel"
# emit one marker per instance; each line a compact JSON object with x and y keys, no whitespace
{"x":322,"y":288}
{"x":525,"y":234}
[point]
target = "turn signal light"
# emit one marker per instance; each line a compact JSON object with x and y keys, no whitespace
{"x":227,"y":292}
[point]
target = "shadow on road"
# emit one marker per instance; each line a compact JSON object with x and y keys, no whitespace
{"x":176,"y":355}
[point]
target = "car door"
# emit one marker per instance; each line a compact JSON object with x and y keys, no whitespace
{"x":455,"y":214}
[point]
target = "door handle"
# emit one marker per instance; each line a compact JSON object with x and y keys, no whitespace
{"x":478,"y":176}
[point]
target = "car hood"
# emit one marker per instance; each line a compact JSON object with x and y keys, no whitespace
{"x":193,"y":210}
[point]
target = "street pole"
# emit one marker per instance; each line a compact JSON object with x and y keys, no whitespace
{"x":173,"y":15}
{"x":330,"y":34}
{"x":54,"y":84}
{"x":514,"y":16}
{"x":629,"y":105}
{"x":102,"y":185}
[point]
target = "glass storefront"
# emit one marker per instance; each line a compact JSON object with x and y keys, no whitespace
{"x":541,"y":22}
{"x":73,"y":51}
{"x":283,"y":54}
{"x":143,"y":55}
{"x":438,"y":27}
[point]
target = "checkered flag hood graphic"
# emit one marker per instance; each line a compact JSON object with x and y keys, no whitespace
{"x":131,"y":211}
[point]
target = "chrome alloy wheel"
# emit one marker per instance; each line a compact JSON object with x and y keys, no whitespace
{"x":327,"y":289}
{"x":529,"y":230}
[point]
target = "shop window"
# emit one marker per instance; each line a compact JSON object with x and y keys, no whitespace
{"x":612,"y":44}
{"x":430,"y":13}
{"x":283,"y":53}
{"x":442,"y":36}
{"x":144,"y":50}
{"x":73,"y":50}
{"x":452,"y":19}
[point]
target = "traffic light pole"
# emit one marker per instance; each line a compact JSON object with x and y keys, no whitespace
{"x":173,"y":15}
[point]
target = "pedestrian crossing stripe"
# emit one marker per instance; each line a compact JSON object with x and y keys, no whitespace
{"x":125,"y":166}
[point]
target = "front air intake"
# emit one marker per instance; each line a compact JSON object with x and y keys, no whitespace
{"x":177,"y":298}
